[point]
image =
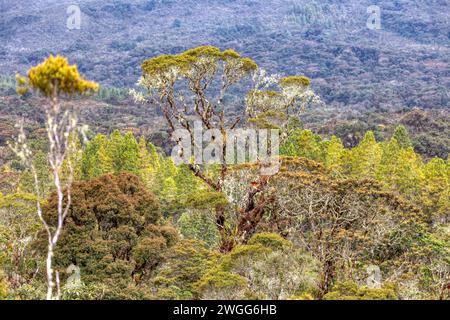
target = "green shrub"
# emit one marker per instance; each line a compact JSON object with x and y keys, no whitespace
{"x":113,"y":233}
{"x":351,"y":291}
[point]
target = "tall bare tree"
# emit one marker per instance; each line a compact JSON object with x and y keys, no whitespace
{"x":53,"y":80}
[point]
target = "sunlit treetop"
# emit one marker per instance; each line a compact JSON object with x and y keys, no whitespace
{"x":203,"y":51}
{"x":231,"y":54}
{"x":295,"y":81}
{"x":55,"y":76}
{"x":195,"y":59}
{"x":164,"y":63}
{"x":249,"y":65}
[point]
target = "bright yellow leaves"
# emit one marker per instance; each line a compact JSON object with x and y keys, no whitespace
{"x":53,"y":77}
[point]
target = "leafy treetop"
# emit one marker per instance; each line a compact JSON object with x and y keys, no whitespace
{"x":53,"y":77}
{"x":201,"y":61}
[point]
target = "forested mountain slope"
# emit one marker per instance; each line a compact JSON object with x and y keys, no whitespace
{"x":405,"y":64}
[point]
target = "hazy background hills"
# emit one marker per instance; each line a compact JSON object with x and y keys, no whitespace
{"x":406,"y":64}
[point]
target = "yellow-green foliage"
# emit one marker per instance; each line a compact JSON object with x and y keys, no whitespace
{"x":183,"y":62}
{"x":248,"y":64}
{"x":265,"y":94}
{"x":222,"y":279}
{"x":53,"y":77}
{"x":231,"y":54}
{"x":266,"y":268}
{"x":270,"y":240}
{"x":350,"y":291}
{"x":302,"y":296}
{"x":3,"y":286}
{"x":163,"y":63}
{"x":18,"y":225}
{"x":242,"y":255}
{"x":304,"y":143}
{"x":183,"y":266}
{"x":113,"y":231}
{"x":204,"y":51}
{"x":269,"y":119}
{"x":200,"y":224}
{"x":207,"y":200}
{"x":219,"y":284}
{"x":119,"y":153}
{"x":295,"y":81}
{"x":281,"y":108}
{"x":397,"y":166}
